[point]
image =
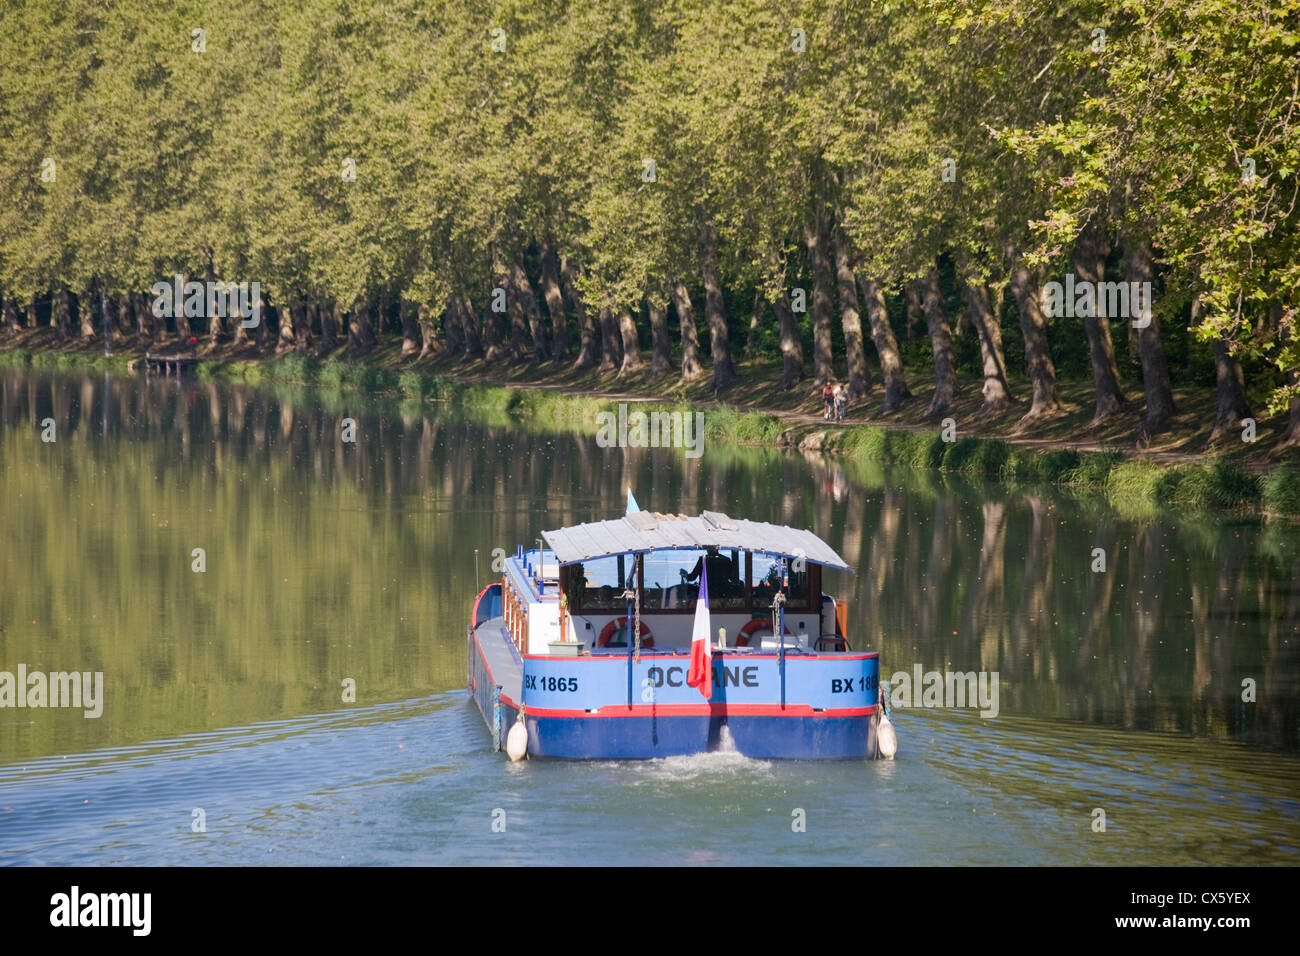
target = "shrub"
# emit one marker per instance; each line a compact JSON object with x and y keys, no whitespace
{"x":976,"y":456}
{"x":1092,"y":469}
{"x":1281,"y":491}
{"x":1138,"y":481}
{"x":295,"y":367}
{"x":411,"y":384}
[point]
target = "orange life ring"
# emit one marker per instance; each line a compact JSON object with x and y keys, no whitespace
{"x":753,"y":627}
{"x":647,"y":639}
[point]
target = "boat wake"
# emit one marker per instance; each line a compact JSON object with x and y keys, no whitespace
{"x":725,"y":760}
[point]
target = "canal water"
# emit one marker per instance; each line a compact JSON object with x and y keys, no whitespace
{"x":279,"y":618}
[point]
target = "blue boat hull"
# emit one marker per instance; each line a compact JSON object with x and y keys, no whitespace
{"x":615,"y":738}
{"x":577,"y":708}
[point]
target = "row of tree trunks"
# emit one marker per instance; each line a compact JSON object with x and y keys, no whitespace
{"x":618,"y":334}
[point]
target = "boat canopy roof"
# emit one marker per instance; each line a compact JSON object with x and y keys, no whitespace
{"x":644,"y":531}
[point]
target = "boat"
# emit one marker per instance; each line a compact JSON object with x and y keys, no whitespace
{"x":585,"y":644}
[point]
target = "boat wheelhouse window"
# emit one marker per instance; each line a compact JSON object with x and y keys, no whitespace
{"x":595,"y":585}
{"x":672,"y":579}
{"x":767,"y":581}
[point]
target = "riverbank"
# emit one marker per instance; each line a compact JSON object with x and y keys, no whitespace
{"x":1169,"y":471}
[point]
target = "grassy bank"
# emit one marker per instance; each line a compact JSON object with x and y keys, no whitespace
{"x":1207,"y":482}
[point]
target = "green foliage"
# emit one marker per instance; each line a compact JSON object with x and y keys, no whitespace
{"x":1280,"y":490}
{"x":469,"y":159}
{"x":297,"y":367}
{"x":1092,"y":469}
{"x":412,"y":384}
{"x":18,"y":358}
{"x":1136,"y":482}
{"x":753,"y":428}
{"x":976,"y":456}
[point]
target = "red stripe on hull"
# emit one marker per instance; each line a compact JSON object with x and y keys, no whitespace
{"x":700,"y":710}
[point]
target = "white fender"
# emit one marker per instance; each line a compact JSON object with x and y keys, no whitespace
{"x":517,"y":740}
{"x":886,"y":739}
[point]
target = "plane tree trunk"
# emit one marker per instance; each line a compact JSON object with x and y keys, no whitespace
{"x":361,"y":330}
{"x":412,"y":331}
{"x":691,"y":368}
{"x":608,"y":341}
{"x":1140,"y":268}
{"x":527,"y":298}
{"x":936,"y":321}
{"x":587,"y":333}
{"x":468,"y":326}
{"x":517,"y":315}
{"x":61,"y":317}
{"x":851,"y":321}
{"x":429,"y":329}
{"x":791,"y":349}
{"x":997,"y":393}
{"x":1027,"y":288}
{"x":661,"y":361}
{"x":491,"y":330}
{"x":814,"y":241}
{"x":1089,"y":261}
{"x":882,"y":336}
{"x":11,"y":316}
{"x":555,"y":302}
{"x":1229,"y":384}
{"x":302,"y":327}
{"x":724,"y":372}
{"x":631,"y":346}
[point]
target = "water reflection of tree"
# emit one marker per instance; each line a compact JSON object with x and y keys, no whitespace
{"x":951,"y":575}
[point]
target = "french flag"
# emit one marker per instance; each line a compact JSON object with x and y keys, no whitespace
{"x":701,"y":672}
